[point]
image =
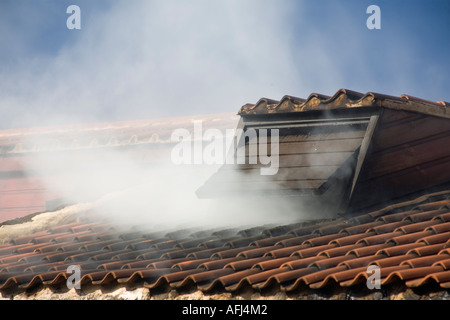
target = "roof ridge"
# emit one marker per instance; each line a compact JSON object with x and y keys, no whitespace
{"x":342,"y":98}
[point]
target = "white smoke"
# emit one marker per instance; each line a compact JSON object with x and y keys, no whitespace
{"x":151,"y":59}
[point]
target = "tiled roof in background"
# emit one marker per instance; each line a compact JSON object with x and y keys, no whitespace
{"x":345,"y":98}
{"x":410,"y":242}
{"x":25,"y":188}
{"x":105,"y":134}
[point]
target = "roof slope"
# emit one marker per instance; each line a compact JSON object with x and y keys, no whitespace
{"x":410,"y":242}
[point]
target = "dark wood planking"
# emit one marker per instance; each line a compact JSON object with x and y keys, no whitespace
{"x":283,"y":174}
{"x":307,"y":147}
{"x":405,"y":132}
{"x":394,"y":117}
{"x":301,"y":160}
{"x":407,"y":156}
{"x":308,"y":157}
{"x":403,"y":182}
{"x":353,"y":134}
{"x":409,"y":153}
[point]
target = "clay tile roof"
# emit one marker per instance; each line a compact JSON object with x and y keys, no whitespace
{"x":410,"y":251}
{"x":345,"y":98}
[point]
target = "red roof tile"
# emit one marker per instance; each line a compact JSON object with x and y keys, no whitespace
{"x":411,"y":247}
{"x":344,"y":98}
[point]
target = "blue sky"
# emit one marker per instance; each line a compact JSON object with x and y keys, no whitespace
{"x":146,"y":59}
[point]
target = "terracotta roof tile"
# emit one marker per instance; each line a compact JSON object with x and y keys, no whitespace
{"x":322,"y":240}
{"x":343,"y":98}
{"x":338,"y":277}
{"x":147,"y":276}
{"x":427,"y":215}
{"x":395,"y":217}
{"x":424,"y":261}
{"x":160,"y":263}
{"x":270,"y":241}
{"x":410,"y":237}
{"x":437,"y":277}
{"x":361,"y":228}
{"x":395,"y":250}
{"x":245,"y":263}
{"x":314,"y":277}
{"x":219,"y":263}
{"x":273,"y":263}
{"x":445,"y":264}
{"x":389,"y":227}
{"x":203,"y":278}
{"x":434,"y":205}
{"x":242,"y":242}
{"x":416,"y":227}
{"x":166,"y":279}
{"x":227,"y":281}
{"x":436,"y":238}
{"x":352,"y":239}
{"x":294,"y":241}
{"x":362,"y":251}
{"x":359,"y":262}
{"x":312,"y":251}
{"x":409,"y":274}
{"x":391,"y":261}
{"x":330,"y":262}
{"x":262,"y":276}
{"x":302,"y":263}
{"x":363,"y":276}
{"x":427,"y":250}
{"x":443,"y":217}
{"x":128,"y":264}
{"x":189,"y":264}
{"x":445,"y":251}
{"x":256,"y":252}
{"x":283,"y":279}
{"x":286,"y":251}
{"x":339,"y":251}
{"x":379,"y":238}
{"x":439,"y":228}
{"x":411,"y":246}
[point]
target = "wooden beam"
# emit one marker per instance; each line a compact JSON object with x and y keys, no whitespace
{"x":364,"y":150}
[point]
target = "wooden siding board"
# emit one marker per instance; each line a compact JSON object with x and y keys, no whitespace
{"x":365,"y":148}
{"x":394,"y":117}
{"x":408,"y":132}
{"x":299,"y":160}
{"x":410,"y":154}
{"x":308,"y":147}
{"x":327,"y":136}
{"x":291,"y":173}
{"x":399,"y":184}
{"x":407,"y":156}
{"x":307,"y":160}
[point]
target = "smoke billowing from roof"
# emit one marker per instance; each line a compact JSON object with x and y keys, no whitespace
{"x":152,"y":59}
{"x":141,"y":185}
